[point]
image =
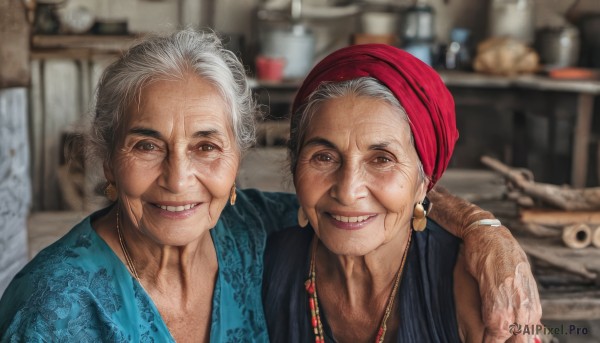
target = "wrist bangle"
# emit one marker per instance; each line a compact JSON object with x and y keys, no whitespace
{"x":482,"y":222}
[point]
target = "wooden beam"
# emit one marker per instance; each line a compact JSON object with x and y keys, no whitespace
{"x":558,"y":218}
{"x":98,"y":43}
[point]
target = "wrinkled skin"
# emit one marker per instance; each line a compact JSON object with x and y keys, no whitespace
{"x":508,"y":290}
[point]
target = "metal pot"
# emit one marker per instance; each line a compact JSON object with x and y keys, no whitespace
{"x":559,"y":47}
{"x":295,"y":44}
{"x":512,"y":18}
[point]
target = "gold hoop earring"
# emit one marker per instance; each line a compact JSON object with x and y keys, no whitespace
{"x":232,"y":195}
{"x":302,"y":219}
{"x":419,"y":219}
{"x":110,"y":192}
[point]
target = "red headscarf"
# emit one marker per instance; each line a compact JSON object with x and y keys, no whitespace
{"x":419,"y":89}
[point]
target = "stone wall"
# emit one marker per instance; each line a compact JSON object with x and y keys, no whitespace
{"x":15,"y":189}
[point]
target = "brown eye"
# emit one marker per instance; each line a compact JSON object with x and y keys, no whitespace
{"x":323,"y":158}
{"x":382,"y":160}
{"x":146,"y":146}
{"x":207,"y":147}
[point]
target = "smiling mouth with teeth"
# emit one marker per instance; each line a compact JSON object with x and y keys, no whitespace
{"x":176,"y":208}
{"x":350,"y":219}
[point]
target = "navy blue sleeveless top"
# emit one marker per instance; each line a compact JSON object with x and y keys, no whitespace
{"x":425,"y":298}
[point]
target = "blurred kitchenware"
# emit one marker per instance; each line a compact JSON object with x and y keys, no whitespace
{"x":296,"y":44}
{"x":458,"y":52}
{"x":76,"y":19}
{"x":558,"y":46}
{"x":571,"y":73}
{"x":46,"y":17}
{"x":418,"y":24}
{"x":512,"y":18}
{"x":289,"y":39}
{"x":269,"y":68}
{"x":379,"y":22}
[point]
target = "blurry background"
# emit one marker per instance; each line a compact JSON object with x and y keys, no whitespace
{"x":524,"y":74}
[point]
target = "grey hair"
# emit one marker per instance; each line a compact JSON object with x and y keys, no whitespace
{"x":171,"y":57}
{"x":363,"y":87}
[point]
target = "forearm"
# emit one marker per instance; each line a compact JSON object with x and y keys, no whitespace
{"x":494,"y":258}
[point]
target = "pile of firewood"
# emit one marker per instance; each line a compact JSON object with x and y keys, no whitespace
{"x":565,"y":225}
{"x":548,"y":210}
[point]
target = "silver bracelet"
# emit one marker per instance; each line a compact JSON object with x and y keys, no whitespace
{"x":482,"y":222}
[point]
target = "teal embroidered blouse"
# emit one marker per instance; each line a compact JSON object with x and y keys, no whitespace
{"x":77,"y":290}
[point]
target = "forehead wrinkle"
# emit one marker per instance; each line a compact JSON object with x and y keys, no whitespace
{"x":208,"y":133}
{"x":318,"y":141}
{"x":143,"y":131}
{"x":386,"y":142}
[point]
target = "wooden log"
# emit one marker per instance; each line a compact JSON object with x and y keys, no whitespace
{"x":549,"y":255}
{"x":563,"y":197}
{"x":540,"y":230}
{"x":582,"y":262}
{"x":558,"y":218}
{"x":14,"y":44}
{"x":577,"y":236}
{"x":553,"y":277}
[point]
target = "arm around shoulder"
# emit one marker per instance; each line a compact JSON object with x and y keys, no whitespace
{"x":494,"y":258}
{"x":277,"y":210}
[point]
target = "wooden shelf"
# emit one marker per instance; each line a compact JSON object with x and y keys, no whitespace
{"x":99,"y":43}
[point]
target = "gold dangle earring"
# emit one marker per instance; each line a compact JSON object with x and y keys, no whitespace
{"x":110,"y":192}
{"x":419,"y":219}
{"x":302,"y":219}
{"x":232,"y":195}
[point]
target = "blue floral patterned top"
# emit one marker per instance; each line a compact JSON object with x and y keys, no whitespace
{"x":78,"y":290}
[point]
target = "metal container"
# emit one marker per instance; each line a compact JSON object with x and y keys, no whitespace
{"x":295,"y":44}
{"x":512,"y":18}
{"x":418,"y":24}
{"x":289,"y":39}
{"x":559,"y":47}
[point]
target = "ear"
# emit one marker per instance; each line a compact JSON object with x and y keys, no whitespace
{"x":422,"y":189}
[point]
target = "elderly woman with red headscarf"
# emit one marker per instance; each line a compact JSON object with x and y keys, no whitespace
{"x":372,"y":131}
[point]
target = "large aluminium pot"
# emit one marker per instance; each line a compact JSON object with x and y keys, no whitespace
{"x":296,"y":44}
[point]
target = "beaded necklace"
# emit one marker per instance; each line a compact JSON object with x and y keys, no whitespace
{"x":313,"y":300}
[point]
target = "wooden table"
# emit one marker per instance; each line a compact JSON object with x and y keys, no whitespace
{"x":551,"y":97}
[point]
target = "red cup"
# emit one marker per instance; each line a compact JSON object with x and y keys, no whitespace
{"x":270,"y":68}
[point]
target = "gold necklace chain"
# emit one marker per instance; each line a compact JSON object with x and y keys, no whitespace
{"x":128,"y":258}
{"x":311,"y":288}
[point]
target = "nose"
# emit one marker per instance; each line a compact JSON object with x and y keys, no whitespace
{"x":177,"y":173}
{"x":349,"y":184}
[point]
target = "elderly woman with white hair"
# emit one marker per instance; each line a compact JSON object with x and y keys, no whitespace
{"x":178,"y":254}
